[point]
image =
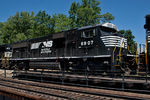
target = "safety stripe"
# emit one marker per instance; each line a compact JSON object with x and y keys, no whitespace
{"x":148,"y":39}
{"x":43,"y":58}
{"x":110,"y":41}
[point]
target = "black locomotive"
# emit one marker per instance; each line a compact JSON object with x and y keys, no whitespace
{"x":147,"y":27}
{"x":94,"y":48}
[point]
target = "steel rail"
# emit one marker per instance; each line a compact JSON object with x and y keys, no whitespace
{"x":79,"y":91}
{"x":34,"y":91}
{"x":64,"y":97}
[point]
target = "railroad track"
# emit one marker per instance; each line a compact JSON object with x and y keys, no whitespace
{"x":49,"y":91}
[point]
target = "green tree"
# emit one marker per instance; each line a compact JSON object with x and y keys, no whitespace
{"x":107,"y":17}
{"x":25,"y":25}
{"x":1,"y":26}
{"x":43,"y":24}
{"x":83,"y":20}
{"x":16,"y":26}
{"x":130,"y":39}
{"x":86,"y":13}
{"x":73,"y":14}
{"x":62,"y":22}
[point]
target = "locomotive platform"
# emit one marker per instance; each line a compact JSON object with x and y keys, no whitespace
{"x":116,"y":82}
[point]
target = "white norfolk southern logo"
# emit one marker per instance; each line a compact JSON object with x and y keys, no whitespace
{"x":46,"y":47}
{"x":122,"y":43}
{"x":111,"y":41}
{"x":46,"y":44}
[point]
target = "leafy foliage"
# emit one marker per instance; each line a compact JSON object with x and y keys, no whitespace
{"x":43,"y":24}
{"x":18,"y":24}
{"x":87,"y":13}
{"x":107,"y":17}
{"x":131,"y":43}
{"x":25,"y":25}
{"x":62,"y":22}
{"x":73,"y":14}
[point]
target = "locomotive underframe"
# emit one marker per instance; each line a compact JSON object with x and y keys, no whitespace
{"x":101,"y":64}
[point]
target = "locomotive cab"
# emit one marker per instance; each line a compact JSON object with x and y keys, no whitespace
{"x":87,"y":35}
{"x":115,"y":45}
{"x":96,"y":45}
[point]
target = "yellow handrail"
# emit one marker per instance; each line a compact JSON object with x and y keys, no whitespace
{"x":146,"y":53}
{"x":120,"y":51}
{"x":114,"y":51}
{"x":128,"y":48}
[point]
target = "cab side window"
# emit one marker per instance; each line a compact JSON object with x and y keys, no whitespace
{"x":88,"y":33}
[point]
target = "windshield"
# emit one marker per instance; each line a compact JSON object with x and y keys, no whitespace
{"x":106,"y":30}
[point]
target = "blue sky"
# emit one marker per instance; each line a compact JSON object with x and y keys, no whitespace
{"x":129,"y":14}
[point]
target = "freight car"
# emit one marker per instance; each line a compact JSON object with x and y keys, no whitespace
{"x":94,"y":48}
